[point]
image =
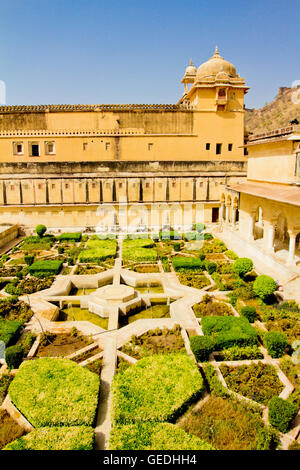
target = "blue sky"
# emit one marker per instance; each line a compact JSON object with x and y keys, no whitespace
{"x":136,"y":51}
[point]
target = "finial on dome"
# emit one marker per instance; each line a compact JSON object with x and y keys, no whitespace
{"x":216,"y":54}
{"x":191,"y":62}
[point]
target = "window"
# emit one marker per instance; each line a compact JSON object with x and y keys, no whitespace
{"x":201,"y":184}
{"x":52,"y":186}
{"x":147,"y":185}
{"x":107,"y":146}
{"x":34,"y":149}
{"x":150,"y":146}
{"x":12,"y":188}
{"x":85,"y":145}
{"x":222,"y":93}
{"x":93,"y":185}
{"x":25,"y":187}
{"x":39,"y":186}
{"x":218,"y":149}
{"x":18,"y":148}
{"x":120,"y":185}
{"x":207,"y":146}
{"x":174,"y":184}
{"x":49,"y":148}
{"x":232,"y":96}
{"x":229,"y":147}
{"x":66,"y":186}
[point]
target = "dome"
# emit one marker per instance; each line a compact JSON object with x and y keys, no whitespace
{"x":215,"y":65}
{"x":191,"y":69}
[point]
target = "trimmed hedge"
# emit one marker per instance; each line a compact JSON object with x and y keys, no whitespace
{"x":56,"y":438}
{"x":281,"y":413}
{"x":156,"y":388}
{"x":76,"y":237}
{"x":199,"y":227}
{"x":189,"y":262}
{"x":242,"y":266}
{"x":48,"y":266}
{"x":41,"y":229}
{"x":249,"y":312}
{"x":276,"y":343}
{"x":154,"y":436}
{"x":9,"y":331}
{"x":138,"y":250}
{"x":229,"y":331}
{"x":55,"y":392}
{"x":98,"y":250}
{"x":169,"y":235}
{"x":202,"y":347}
{"x":13,"y":356}
{"x":264,"y":286}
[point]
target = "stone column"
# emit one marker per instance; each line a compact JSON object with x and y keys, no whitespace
{"x":270,"y":239}
{"x":222,"y":212}
{"x":251,"y":226}
{"x":260,"y":219}
{"x":233,"y":217}
{"x":227,"y":214}
{"x":292,"y":246}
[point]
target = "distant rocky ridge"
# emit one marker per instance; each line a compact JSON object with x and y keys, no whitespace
{"x":278,"y":113}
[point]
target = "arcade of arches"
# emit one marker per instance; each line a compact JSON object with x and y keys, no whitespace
{"x":272,"y":226}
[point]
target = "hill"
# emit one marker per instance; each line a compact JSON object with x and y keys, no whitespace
{"x":279,"y":113}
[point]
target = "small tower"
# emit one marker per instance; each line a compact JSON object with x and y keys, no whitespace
{"x":189,"y":76}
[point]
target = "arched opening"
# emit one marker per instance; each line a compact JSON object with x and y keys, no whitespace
{"x":281,"y":240}
{"x":258,"y":224}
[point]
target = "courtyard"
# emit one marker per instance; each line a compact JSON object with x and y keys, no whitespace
{"x":167,"y":341}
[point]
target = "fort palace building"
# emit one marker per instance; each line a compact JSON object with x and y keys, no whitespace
{"x":127,"y":166}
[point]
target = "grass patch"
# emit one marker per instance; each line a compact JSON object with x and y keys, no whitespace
{"x":9,"y":429}
{"x":55,"y":392}
{"x":156,"y":388}
{"x":155,"y":342}
{"x":56,"y":438}
{"x":259,"y":382}
{"x":228,"y":425}
{"x":154,"y":436}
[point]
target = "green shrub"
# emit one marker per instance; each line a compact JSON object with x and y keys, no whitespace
{"x":264,"y":286}
{"x":169,"y":235}
{"x":176,"y":246}
{"x":208,"y":236}
{"x":229,"y":331}
{"x":45,"y":267}
{"x":9,"y":331}
{"x":257,"y":381}
{"x":199,"y":227}
{"x":281,"y":413}
{"x":56,"y":438}
{"x":155,"y":388}
{"x":154,"y":436}
{"x":202,"y":347}
{"x":138,"y":250}
{"x":60,"y":250}
{"x":29,"y":259}
{"x":40,"y":230}
{"x":231,"y":254}
{"x":5,"y":381}
{"x":210,"y":266}
{"x":236,"y":353}
{"x":14,"y":356}
{"x":181,"y":262}
{"x":216,"y":387}
{"x":69,"y":393}
{"x":276,"y":343}
{"x":249,"y":312}
{"x":76,"y":237}
{"x":98,"y":250}
{"x":242,"y":266}
{"x":12,"y":289}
